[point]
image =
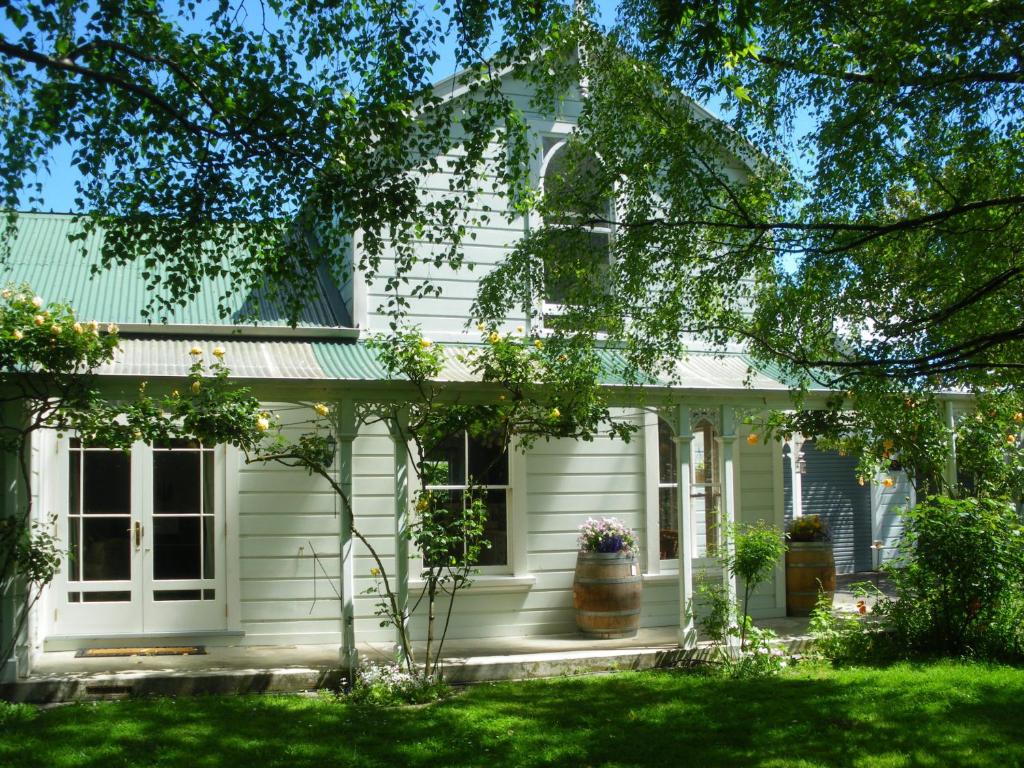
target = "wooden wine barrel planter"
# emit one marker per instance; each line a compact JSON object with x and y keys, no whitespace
{"x":606,"y":592}
{"x":810,"y":569}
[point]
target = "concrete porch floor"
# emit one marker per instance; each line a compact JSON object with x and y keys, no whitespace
{"x":59,"y":676}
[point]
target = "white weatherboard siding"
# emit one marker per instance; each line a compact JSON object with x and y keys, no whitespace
{"x":486,"y":244}
{"x":374,"y":506}
{"x":760,"y":498}
{"x":285,"y":516}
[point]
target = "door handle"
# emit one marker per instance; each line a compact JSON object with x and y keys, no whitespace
{"x":138,"y":535}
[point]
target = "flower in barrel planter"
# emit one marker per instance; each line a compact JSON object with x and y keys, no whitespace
{"x":606,"y":587}
{"x":810,"y":564}
{"x":808,"y":528}
{"x":607,"y":535}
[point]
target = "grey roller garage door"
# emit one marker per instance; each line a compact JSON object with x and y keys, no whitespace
{"x":831,"y":490}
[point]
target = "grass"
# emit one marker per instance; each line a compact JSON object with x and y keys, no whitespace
{"x":928,"y":715}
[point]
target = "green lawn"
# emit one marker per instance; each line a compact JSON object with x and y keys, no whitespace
{"x":938,"y":715}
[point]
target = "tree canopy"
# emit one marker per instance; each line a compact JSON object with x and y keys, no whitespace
{"x":854,"y":214}
{"x":252,"y":138}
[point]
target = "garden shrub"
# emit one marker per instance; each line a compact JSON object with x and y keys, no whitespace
{"x":959,"y":580}
{"x":388,"y":685}
{"x":846,"y":638}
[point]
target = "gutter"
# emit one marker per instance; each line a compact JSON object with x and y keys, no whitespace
{"x":240,"y":332}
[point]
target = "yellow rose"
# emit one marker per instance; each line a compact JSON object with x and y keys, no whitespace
{"x":888,"y":482}
{"x":1011,"y":439}
{"x":501,"y":397}
{"x":38,"y":319}
{"x":538,"y":343}
{"x":555,"y":413}
{"x":860,"y":481}
{"x":493,"y":338}
{"x":480,"y":326}
{"x":321,"y":409}
{"x":37,"y":301}
{"x":18,"y":335}
{"x":196,"y":386}
{"x":112,"y":328}
{"x":519,"y":329}
{"x":195,"y":351}
{"x":175,"y":393}
{"x":218,"y":352}
{"x":5,"y":294}
{"x":55,"y":329}
{"x":262,"y":423}
{"x":425,"y":343}
{"x":752,"y":439}
{"x":77,"y":327}
{"x":1018,"y":417}
{"x":94,"y":326}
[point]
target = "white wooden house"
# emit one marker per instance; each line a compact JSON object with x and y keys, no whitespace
{"x":186,"y":544}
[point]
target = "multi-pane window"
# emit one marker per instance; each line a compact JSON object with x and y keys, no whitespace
{"x":668,"y":493}
{"x":580,"y":221}
{"x":464,"y":465}
{"x":705,"y":491}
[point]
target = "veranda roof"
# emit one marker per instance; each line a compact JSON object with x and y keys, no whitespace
{"x":327,"y":360}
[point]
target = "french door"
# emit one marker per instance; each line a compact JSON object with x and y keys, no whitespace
{"x":145,"y":537}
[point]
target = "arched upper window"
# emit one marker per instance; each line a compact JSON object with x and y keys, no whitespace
{"x":575,"y":204}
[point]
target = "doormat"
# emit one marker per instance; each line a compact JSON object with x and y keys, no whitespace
{"x":160,"y":650}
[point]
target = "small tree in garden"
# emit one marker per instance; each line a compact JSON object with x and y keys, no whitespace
{"x":48,"y":360}
{"x":756,"y":550}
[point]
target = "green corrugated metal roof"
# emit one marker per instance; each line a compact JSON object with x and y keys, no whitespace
{"x":359,"y":362}
{"x":42,"y":256}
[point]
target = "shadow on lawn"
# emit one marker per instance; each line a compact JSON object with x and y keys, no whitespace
{"x":901,"y":717}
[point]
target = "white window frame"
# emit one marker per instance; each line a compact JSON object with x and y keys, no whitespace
{"x":653,"y":484}
{"x":558,"y":142}
{"x":515,"y":518}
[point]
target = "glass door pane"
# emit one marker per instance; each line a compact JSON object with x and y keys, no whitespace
{"x":100,"y":590}
{"x":182,"y":590}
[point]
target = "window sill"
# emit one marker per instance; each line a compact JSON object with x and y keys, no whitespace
{"x":671,"y":577}
{"x":490,"y":583}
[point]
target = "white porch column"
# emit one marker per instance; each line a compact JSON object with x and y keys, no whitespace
{"x":347,"y":429}
{"x":727,"y":441}
{"x":684,"y":502}
{"x":949,"y":470}
{"x":401,"y":523}
{"x":796,"y":445}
